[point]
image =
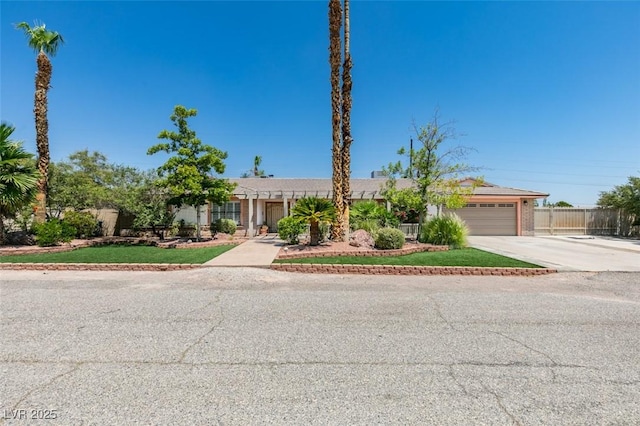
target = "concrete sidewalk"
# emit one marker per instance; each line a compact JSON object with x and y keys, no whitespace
{"x":257,"y":252}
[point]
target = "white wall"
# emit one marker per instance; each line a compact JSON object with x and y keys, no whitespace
{"x":188,"y":213}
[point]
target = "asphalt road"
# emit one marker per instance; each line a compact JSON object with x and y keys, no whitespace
{"x":247,"y":346}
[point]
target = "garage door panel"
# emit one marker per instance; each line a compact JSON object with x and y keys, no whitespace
{"x":489,"y":220}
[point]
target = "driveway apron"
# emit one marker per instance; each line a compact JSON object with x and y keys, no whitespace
{"x":567,"y":253}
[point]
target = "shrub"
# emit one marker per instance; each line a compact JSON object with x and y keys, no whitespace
{"x":370,"y":225}
{"x":370,"y":216}
{"x":445,"y":230}
{"x":389,"y":238}
{"x":225,"y":226}
{"x":290,"y":228}
{"x":84,"y":223}
{"x":53,"y":232}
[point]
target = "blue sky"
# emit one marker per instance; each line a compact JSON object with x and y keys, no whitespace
{"x":546,"y":93}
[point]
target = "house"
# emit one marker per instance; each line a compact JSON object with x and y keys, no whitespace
{"x":491,"y":210}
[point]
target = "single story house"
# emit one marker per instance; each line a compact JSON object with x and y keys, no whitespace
{"x":491,"y":210}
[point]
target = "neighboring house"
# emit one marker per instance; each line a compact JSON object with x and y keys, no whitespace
{"x":492,"y":210}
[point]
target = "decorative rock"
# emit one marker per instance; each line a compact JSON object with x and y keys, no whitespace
{"x":361,"y":238}
{"x":20,"y":238}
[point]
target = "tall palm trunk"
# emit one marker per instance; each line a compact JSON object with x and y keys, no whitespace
{"x":346,"y":123}
{"x":43,"y":82}
{"x":335,"y":57}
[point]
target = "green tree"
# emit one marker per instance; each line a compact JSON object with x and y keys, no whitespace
{"x":186,"y":175}
{"x":314,"y":211}
{"x":83,"y":181}
{"x":43,"y":42}
{"x":18,"y":177}
{"x":435,"y":171}
{"x":562,"y":204}
{"x":624,"y":197}
{"x":147,"y":202}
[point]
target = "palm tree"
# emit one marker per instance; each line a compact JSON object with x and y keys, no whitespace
{"x":345,"y":154}
{"x":45,"y":43}
{"x":256,"y":166}
{"x":314,"y":211}
{"x":335,"y":56}
{"x":18,"y":176}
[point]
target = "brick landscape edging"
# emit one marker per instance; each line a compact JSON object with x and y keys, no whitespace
{"x":99,"y":266}
{"x":406,"y":270}
{"x":369,"y":253}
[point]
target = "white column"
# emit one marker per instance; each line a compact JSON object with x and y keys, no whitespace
{"x":250,"y":229}
{"x":285,"y":205}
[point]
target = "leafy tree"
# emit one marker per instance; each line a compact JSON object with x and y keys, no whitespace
{"x":314,"y":211}
{"x":84,"y":181}
{"x":147,"y":202}
{"x":44,"y":43}
{"x":624,"y":197}
{"x":18,"y":177}
{"x":435,"y":171}
{"x":186,"y":175}
{"x":562,"y":204}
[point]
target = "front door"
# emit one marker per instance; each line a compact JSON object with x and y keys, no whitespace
{"x":275,"y":212}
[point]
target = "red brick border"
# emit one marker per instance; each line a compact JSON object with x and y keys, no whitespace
{"x":406,"y":270}
{"x":99,"y":266}
{"x":407,"y":249}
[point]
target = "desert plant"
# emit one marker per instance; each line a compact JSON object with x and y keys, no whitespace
{"x":18,"y":177}
{"x":290,"y":228}
{"x":225,"y":226}
{"x":370,"y":216}
{"x":389,"y":238}
{"x":446,"y":230}
{"x":53,"y":232}
{"x":314,"y":211}
{"x":84,"y":223}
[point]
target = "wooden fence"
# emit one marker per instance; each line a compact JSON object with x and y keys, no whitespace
{"x":582,"y":221}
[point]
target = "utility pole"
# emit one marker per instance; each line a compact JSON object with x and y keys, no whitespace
{"x":411,"y":157}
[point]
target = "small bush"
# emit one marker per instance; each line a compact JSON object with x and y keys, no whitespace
{"x":225,"y":226}
{"x":53,"y":232}
{"x":370,"y":225}
{"x":446,"y":230}
{"x":85,"y":224}
{"x":389,"y":238}
{"x":290,"y":228}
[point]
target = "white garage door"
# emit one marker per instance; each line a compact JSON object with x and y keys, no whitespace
{"x":489,"y":218}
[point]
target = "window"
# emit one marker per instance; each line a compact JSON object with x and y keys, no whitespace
{"x":230,"y":210}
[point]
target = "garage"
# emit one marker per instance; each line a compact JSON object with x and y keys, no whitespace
{"x":489,"y":218}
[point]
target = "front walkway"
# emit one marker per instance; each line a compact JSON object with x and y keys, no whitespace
{"x":257,"y":252}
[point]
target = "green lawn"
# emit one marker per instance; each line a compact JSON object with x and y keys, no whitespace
{"x":461,"y":257}
{"x":123,"y":254}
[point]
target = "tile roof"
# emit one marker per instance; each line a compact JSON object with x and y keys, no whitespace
{"x":361,"y":188}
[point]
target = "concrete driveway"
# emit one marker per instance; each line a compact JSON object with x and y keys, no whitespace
{"x":567,"y":253}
